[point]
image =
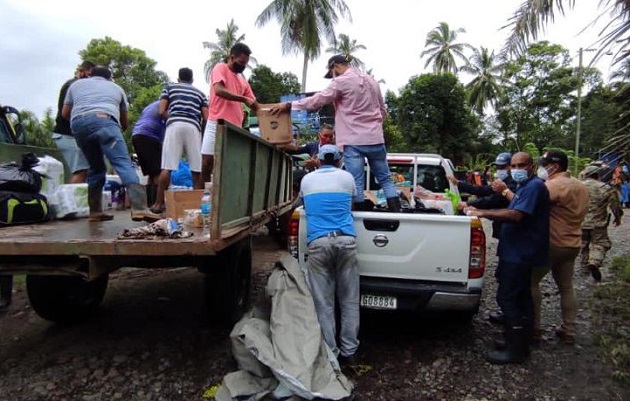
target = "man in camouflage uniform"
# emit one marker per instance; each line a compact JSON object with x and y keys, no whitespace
{"x":595,"y":241}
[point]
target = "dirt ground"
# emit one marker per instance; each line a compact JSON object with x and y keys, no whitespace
{"x":151,"y":341}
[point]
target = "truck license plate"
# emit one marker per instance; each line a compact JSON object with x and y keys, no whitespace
{"x":378,"y":302}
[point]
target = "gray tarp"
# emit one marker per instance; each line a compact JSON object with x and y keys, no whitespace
{"x":279,"y":347}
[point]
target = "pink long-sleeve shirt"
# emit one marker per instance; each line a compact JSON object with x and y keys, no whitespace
{"x":359,"y":108}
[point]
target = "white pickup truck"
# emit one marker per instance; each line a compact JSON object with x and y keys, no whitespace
{"x":414,"y":260}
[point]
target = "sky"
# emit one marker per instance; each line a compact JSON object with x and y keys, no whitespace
{"x":40,"y":39}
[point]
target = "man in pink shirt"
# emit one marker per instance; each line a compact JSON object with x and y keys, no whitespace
{"x":359,"y":114}
{"x":228,"y":89}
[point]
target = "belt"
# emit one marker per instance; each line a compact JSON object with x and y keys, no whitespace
{"x":99,"y":115}
{"x":332,"y":234}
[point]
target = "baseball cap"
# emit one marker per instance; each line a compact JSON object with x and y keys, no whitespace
{"x":503,"y":159}
{"x":329,"y":149}
{"x":554,"y":156}
{"x":337,"y":59}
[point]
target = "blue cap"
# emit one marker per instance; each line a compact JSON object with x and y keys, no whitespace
{"x":329,"y":149}
{"x":503,"y":159}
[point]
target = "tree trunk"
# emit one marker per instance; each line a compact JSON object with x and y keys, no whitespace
{"x":304,"y":71}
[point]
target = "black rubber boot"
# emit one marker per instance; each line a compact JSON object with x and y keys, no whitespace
{"x":496,"y":318}
{"x":6,"y":291}
{"x":393,"y":204}
{"x":365,"y":206}
{"x":95,"y":202}
{"x":139,"y":211}
{"x":516,"y":347}
{"x":151,"y":194}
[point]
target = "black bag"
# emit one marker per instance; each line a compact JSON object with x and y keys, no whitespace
{"x":21,"y":177}
{"x":22,"y":208}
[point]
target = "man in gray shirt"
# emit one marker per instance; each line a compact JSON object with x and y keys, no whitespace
{"x":97,"y":110}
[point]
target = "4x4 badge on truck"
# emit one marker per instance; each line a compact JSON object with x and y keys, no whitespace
{"x":380,"y":240}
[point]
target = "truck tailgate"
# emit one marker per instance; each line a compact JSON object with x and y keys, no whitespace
{"x":413,"y":246}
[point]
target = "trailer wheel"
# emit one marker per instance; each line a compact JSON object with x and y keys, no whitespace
{"x":65,"y":299}
{"x":227,"y":283}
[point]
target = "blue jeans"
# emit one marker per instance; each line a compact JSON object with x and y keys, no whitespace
{"x":354,"y":162}
{"x":97,"y":136}
{"x":332,"y":270}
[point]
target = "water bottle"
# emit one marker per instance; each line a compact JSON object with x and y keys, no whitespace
{"x":206,"y":209}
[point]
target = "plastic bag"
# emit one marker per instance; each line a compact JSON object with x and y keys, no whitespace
{"x":21,"y":177}
{"x":182,"y":176}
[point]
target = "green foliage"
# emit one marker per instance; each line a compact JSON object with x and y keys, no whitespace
{"x":38,"y":133}
{"x":220,"y":50}
{"x":441,"y":49}
{"x":610,"y":308}
{"x":432,"y":116}
{"x":538,"y":104}
{"x":131,"y":68}
{"x":268,"y":86}
{"x":394,"y":139}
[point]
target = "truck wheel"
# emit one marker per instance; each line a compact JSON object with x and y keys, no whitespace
{"x":227,"y":283}
{"x":65,"y":299}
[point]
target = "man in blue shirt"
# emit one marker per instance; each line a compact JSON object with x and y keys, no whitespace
{"x":332,"y":264}
{"x":147,"y":138}
{"x":523,"y":245}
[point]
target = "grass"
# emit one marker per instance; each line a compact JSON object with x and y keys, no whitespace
{"x":611,"y":314}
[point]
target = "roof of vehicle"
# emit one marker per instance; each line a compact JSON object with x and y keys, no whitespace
{"x":419,"y":158}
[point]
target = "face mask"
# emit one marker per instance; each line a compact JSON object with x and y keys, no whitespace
{"x":542,"y":173}
{"x":238,"y":68}
{"x":519,"y":175}
{"x":502,"y":174}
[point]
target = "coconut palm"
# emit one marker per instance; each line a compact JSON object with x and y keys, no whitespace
{"x":485,"y":87}
{"x":441,"y":49}
{"x":348,"y":47}
{"x":303,"y":25}
{"x":220,"y":51}
{"x":532,"y":17}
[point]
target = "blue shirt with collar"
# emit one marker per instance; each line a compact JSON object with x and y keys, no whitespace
{"x":527,"y":241}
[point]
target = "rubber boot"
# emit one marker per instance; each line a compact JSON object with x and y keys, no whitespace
{"x":95,"y":201}
{"x":516,"y":347}
{"x":365,"y":206}
{"x":151,"y":194}
{"x":393,"y":204}
{"x":6,"y":291}
{"x":138,"y":196}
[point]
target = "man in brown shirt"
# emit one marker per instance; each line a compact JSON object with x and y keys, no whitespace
{"x":569,"y":203}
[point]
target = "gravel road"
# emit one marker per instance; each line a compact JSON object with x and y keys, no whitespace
{"x":151,"y":341}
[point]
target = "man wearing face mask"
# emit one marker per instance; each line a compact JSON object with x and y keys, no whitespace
{"x":568,"y":199}
{"x":359,"y":113}
{"x":326,"y":136}
{"x":228,"y":89}
{"x":523,"y":244}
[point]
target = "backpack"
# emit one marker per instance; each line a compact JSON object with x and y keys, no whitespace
{"x":23,"y":208}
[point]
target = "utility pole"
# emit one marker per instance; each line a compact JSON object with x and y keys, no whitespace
{"x":578,"y":124}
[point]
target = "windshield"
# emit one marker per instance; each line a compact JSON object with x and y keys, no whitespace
{"x":432,"y":178}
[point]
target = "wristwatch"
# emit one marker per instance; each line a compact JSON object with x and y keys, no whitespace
{"x":505,"y":191}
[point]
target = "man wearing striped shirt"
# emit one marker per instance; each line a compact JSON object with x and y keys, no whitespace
{"x":185,"y":109}
{"x":332,"y":256}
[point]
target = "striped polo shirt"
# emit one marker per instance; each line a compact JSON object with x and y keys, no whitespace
{"x":184,"y":103}
{"x":327,"y":194}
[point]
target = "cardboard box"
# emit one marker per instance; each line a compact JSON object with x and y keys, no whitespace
{"x":276,"y":129}
{"x":179,"y":201}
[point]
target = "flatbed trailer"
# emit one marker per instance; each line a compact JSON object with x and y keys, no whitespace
{"x":67,"y":263}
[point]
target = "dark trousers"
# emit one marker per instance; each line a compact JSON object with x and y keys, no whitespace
{"x":514,"y":295}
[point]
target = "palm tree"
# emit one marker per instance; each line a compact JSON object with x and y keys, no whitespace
{"x":302,"y":24}
{"x":486,"y":85}
{"x":441,"y":49}
{"x":348,"y":47}
{"x":220,"y":51}
{"x":371,"y":73}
